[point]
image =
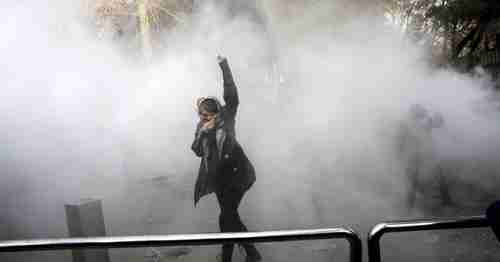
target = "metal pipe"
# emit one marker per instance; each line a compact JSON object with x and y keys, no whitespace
{"x":379,"y":230}
{"x":190,"y":239}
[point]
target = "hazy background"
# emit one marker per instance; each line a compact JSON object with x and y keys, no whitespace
{"x":81,"y":118}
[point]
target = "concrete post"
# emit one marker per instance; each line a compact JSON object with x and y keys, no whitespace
{"x":85,"y":219}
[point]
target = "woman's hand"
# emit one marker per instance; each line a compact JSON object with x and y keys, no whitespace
{"x":208,"y":125}
{"x":220,"y":58}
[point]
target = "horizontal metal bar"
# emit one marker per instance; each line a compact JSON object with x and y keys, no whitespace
{"x":379,"y":230}
{"x":188,"y":240}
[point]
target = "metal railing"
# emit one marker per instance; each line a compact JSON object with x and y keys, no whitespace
{"x":417,"y":225}
{"x":188,"y":240}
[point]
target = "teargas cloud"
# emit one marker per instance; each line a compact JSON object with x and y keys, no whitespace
{"x":346,"y":119}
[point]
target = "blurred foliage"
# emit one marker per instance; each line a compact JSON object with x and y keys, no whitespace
{"x":459,"y":31}
{"x":140,"y":21}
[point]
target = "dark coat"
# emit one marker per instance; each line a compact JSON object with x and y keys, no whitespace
{"x":230,"y":167}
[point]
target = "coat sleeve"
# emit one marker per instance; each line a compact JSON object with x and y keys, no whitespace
{"x":230,"y":91}
{"x":197,"y":146}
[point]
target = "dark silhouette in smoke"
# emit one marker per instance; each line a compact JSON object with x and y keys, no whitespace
{"x":416,"y":145}
{"x":225,"y":168}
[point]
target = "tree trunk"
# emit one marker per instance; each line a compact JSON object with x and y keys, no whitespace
{"x":476,"y":34}
{"x":463,"y":43}
{"x":497,"y":42}
{"x":477,"y":39}
{"x":145,"y":29}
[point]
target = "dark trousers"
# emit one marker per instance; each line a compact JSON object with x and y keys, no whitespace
{"x":229,"y":220}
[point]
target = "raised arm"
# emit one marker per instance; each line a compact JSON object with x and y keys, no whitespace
{"x":230,"y":92}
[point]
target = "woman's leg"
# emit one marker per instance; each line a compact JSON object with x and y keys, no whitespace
{"x":229,"y":221}
{"x":227,"y":204}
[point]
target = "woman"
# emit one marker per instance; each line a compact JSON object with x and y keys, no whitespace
{"x":224,"y":168}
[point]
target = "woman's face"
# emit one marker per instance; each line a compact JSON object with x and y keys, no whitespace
{"x":206,"y":116}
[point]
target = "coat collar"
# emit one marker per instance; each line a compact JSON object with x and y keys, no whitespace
{"x":220,"y":135}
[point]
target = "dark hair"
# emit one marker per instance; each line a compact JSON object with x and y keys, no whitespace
{"x":209,"y":105}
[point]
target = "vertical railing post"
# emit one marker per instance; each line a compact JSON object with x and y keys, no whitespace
{"x":374,"y":243}
{"x":355,"y":247}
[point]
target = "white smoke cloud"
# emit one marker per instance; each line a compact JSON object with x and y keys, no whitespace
{"x":82,"y":120}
